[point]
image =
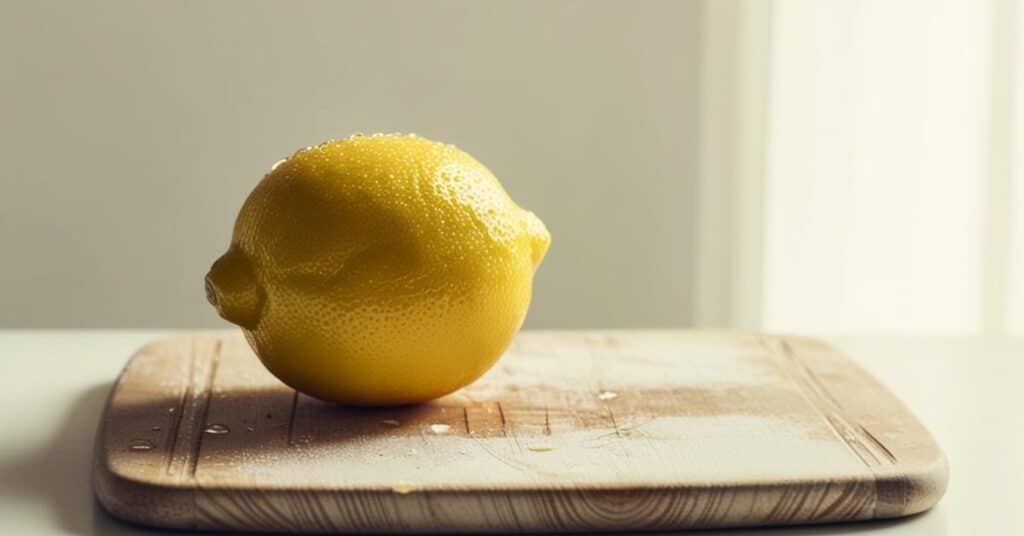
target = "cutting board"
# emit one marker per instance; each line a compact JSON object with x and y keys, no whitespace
{"x":570,"y":431}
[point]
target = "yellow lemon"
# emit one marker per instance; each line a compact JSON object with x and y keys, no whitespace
{"x":379,"y":270}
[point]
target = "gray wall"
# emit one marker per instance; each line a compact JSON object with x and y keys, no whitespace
{"x":131,"y":132}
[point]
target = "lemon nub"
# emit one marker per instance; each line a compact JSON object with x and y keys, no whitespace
{"x":232,"y":288}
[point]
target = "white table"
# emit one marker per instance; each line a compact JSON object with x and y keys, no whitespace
{"x":966,"y":391}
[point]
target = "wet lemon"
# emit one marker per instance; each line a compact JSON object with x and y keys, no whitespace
{"x":379,"y":270}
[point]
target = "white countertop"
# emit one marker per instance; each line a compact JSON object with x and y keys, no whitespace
{"x":965,"y":390}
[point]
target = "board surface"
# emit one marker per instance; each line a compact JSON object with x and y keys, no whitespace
{"x":570,"y":431}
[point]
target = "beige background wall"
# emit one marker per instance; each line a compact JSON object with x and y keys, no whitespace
{"x":131,"y":132}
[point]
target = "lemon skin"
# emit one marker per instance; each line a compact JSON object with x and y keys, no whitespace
{"x":379,"y":270}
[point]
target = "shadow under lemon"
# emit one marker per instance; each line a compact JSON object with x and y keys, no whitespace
{"x":58,"y":473}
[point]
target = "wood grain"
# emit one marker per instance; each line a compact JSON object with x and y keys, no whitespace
{"x":571,"y":431}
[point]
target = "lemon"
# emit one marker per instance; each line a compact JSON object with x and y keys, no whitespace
{"x":379,"y":270}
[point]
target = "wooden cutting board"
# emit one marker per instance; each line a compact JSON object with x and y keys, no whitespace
{"x":570,"y":431}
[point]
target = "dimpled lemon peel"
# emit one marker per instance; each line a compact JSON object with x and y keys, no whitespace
{"x":379,"y":270}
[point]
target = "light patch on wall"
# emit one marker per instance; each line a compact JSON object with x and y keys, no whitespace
{"x":876,"y":155}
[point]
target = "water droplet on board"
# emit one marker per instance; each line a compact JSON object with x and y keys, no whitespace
{"x":217,"y":429}
{"x":140,"y":445}
{"x":403,"y":488}
{"x":390,"y":422}
{"x":542,"y":447}
{"x":440,"y":429}
{"x":250,"y":428}
{"x":608,"y":395}
{"x":155,"y":428}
